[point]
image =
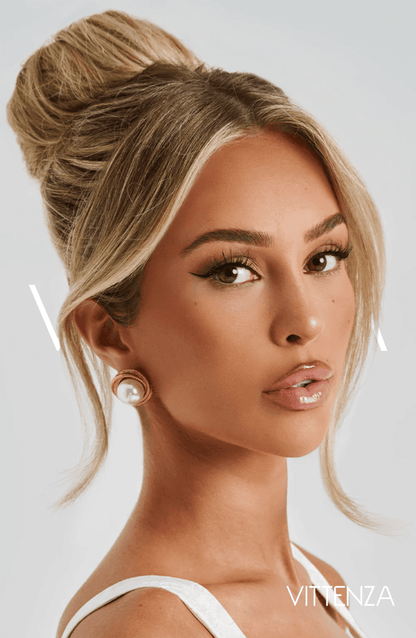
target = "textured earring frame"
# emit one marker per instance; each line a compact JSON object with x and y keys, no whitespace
{"x":124,"y":375}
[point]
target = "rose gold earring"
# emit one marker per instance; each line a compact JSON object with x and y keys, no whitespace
{"x":131,"y":387}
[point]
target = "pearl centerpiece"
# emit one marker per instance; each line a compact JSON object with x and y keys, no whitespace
{"x":130,"y":391}
{"x":131,"y":387}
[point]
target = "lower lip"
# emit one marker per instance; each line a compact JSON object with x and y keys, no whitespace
{"x":311,"y":396}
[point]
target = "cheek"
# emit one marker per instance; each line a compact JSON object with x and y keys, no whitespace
{"x":342,"y":315}
{"x":192,"y":334}
{"x":197,"y":350}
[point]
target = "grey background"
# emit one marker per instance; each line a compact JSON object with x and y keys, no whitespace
{"x":350,"y":63}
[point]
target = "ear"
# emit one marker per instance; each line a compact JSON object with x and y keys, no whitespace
{"x":101,"y":333}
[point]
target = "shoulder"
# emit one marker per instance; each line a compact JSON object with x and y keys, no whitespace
{"x":333,"y":577}
{"x":142,"y":613}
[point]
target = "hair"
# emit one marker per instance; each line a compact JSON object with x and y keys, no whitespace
{"x":115,"y":118}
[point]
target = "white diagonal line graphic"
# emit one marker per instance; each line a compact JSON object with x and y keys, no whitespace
{"x":45,"y":317}
{"x":380,"y":342}
{"x":379,"y":337}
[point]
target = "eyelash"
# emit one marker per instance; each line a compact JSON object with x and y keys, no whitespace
{"x":215,"y":266}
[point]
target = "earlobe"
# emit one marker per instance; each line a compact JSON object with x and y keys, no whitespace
{"x":100,"y":332}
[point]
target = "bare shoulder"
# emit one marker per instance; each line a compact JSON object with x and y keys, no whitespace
{"x":333,"y":577}
{"x":142,"y":613}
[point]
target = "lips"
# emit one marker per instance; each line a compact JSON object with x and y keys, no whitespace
{"x":315,"y":371}
{"x":314,"y":390}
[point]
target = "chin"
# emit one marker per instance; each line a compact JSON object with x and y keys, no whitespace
{"x":303,"y":449}
{"x":299,"y":433}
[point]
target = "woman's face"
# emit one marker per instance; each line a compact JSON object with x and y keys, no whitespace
{"x":214,"y":337}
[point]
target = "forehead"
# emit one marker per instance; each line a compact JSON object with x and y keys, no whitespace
{"x":262,"y":183}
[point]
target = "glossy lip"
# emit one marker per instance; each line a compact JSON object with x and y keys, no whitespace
{"x":307,"y":398}
{"x":302,"y":398}
{"x":314,"y":370}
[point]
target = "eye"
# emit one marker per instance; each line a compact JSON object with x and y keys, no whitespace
{"x":232,"y":270}
{"x":323,"y":262}
{"x":328,"y":260}
{"x":233,"y":274}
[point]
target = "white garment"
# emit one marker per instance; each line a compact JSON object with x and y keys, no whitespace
{"x":204,"y":606}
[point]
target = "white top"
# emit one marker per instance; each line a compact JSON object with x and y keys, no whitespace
{"x":204,"y":606}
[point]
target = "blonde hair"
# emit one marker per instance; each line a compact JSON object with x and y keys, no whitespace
{"x":115,"y":118}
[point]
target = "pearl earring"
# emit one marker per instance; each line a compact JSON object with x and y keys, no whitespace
{"x":131,"y":387}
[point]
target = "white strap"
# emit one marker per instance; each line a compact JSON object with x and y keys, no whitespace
{"x":325,"y":589}
{"x":204,"y":606}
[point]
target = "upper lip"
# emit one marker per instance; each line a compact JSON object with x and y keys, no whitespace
{"x":314,"y":370}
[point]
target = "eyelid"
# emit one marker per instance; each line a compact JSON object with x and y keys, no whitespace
{"x":241,"y":259}
{"x":331,"y":246}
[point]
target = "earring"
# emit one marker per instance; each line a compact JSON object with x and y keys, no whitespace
{"x":131,"y":387}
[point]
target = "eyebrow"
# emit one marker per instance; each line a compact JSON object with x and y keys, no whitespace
{"x":257,"y":238}
{"x":324,"y":227}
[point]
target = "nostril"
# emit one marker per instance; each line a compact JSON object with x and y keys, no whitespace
{"x":292,"y":338}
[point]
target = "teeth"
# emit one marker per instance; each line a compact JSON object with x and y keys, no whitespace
{"x":302,"y":384}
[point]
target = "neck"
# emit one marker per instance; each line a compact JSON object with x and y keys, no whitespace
{"x":211,"y":511}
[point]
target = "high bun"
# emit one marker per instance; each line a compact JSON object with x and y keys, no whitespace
{"x":80,"y":63}
{"x":116,"y":118}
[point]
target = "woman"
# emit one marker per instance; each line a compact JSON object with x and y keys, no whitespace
{"x":226,"y":260}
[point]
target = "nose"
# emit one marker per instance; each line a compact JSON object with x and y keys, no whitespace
{"x":297,"y":313}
